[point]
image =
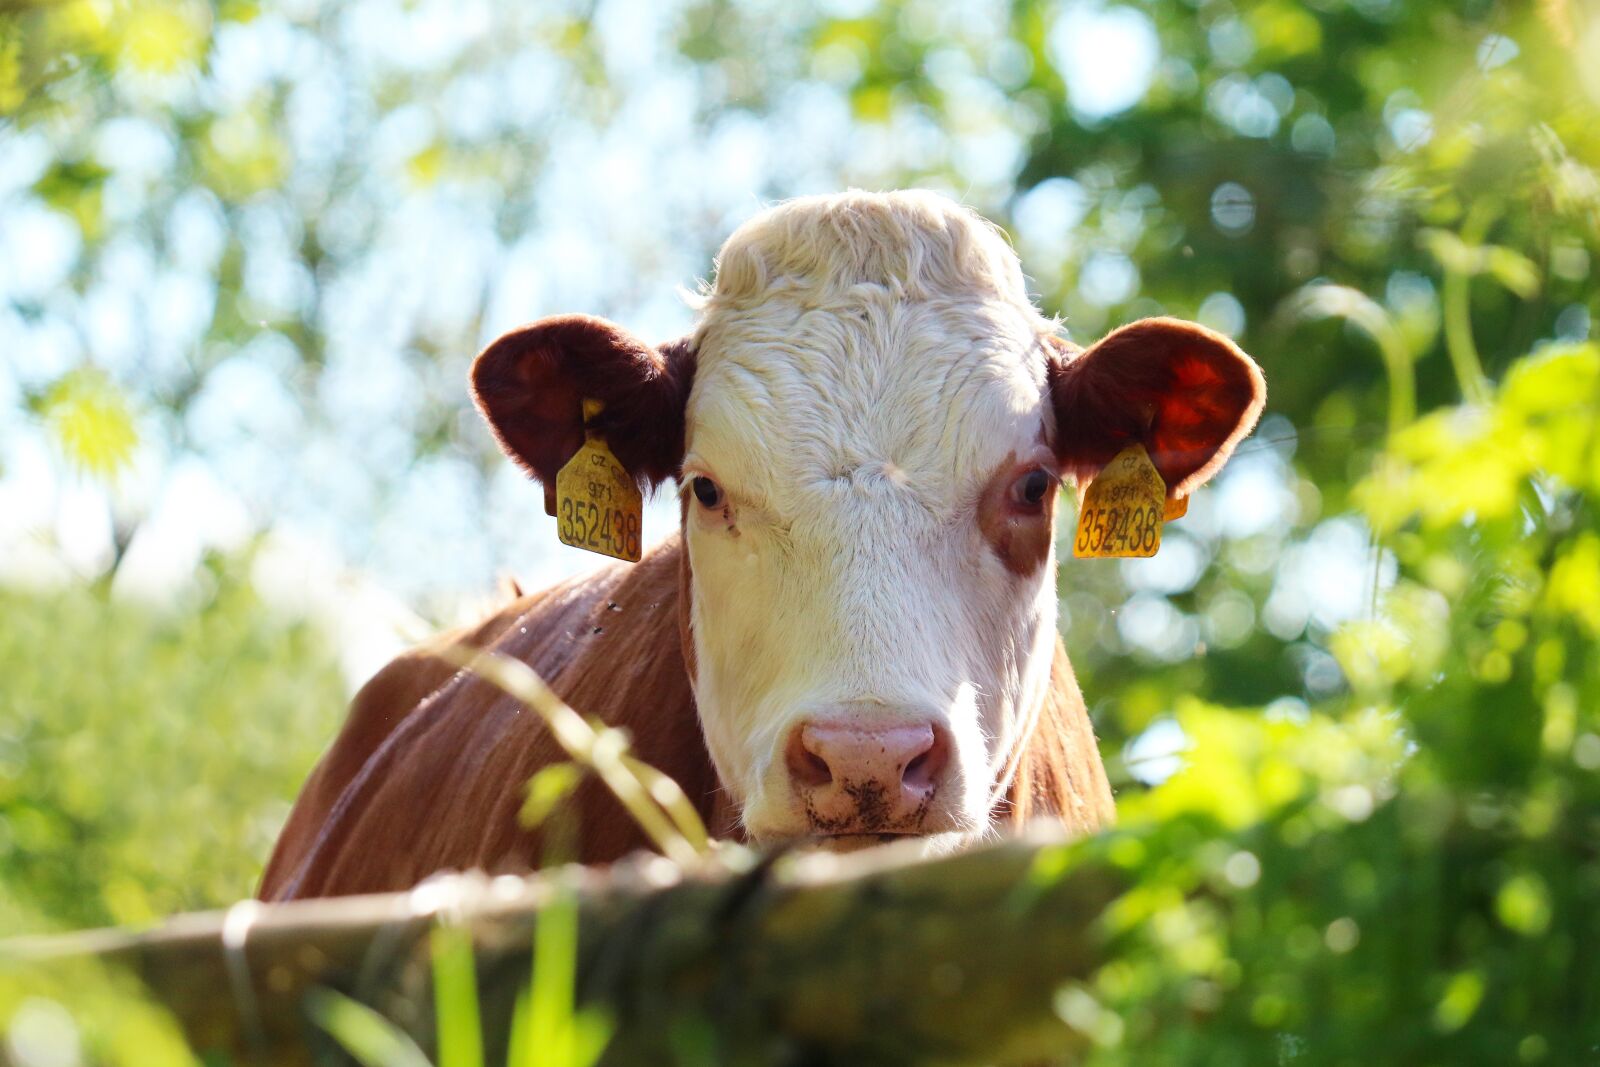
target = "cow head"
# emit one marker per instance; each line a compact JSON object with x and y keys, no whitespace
{"x":868,"y":427}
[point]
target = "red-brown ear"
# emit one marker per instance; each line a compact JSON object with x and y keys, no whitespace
{"x":530,"y":385}
{"x":1188,"y":394}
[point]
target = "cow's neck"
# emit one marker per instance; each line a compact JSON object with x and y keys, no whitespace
{"x":720,"y":812}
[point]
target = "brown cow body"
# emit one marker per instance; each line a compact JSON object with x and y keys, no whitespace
{"x":429,"y":771}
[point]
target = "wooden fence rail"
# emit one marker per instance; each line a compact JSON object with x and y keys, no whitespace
{"x":805,"y":959}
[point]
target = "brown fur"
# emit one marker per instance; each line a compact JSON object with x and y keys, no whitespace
{"x":1060,"y":773}
{"x":530,"y":385}
{"x":1020,"y":536}
{"x":1188,"y":394}
{"x":429,"y":771}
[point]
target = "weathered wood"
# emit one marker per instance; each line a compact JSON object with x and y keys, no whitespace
{"x":872,"y":958}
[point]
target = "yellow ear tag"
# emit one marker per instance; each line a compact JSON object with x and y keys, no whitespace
{"x":1123,"y":509}
{"x":598,"y":506}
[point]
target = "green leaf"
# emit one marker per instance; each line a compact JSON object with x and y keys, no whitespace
{"x":373,"y":1040}
{"x":455,"y":998}
{"x":1453,"y":254}
{"x":546,"y":790}
{"x":164,"y":37}
{"x":1523,"y":904}
{"x":547,"y":1029}
{"x":75,"y":187}
{"x":428,"y":164}
{"x":550,"y":996}
{"x":1460,"y":1001}
{"x":1513,"y":270}
{"x":12,"y":93}
{"x":90,"y":420}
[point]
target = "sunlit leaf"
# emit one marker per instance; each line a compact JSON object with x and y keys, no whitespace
{"x":163,"y":36}
{"x":1513,"y":270}
{"x":12,"y":93}
{"x":455,"y":998}
{"x":1452,"y":253}
{"x":426,"y":166}
{"x":558,"y":1033}
{"x":1523,"y":904}
{"x":84,"y":24}
{"x":1574,"y":583}
{"x":242,"y":11}
{"x":1462,"y":995}
{"x":1283,"y":29}
{"x":547,"y":789}
{"x":1510,"y":268}
{"x":1079,"y":1009}
{"x":75,"y":187}
{"x":373,"y":1040}
{"x":91,"y":422}
{"x":243,"y":154}
{"x":872,"y":103}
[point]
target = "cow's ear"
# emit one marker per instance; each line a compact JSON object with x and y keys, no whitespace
{"x":530,"y":385}
{"x":1188,"y":394}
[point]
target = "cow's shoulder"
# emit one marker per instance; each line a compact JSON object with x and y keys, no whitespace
{"x":1061,"y":775}
{"x":386,"y":700}
{"x":429,"y":769}
{"x":395,"y":691}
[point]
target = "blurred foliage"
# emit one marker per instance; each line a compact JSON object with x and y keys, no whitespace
{"x":1372,"y":639}
{"x":78,"y":1011}
{"x":1406,"y":875}
{"x":149,"y":755}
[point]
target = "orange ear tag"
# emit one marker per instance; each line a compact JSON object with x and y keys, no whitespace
{"x":1123,"y":509}
{"x":598,"y":506}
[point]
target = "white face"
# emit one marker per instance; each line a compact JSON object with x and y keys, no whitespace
{"x":866,"y":448}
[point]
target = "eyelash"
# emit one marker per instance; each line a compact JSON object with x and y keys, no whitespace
{"x":701,"y":486}
{"x":1044,"y":483}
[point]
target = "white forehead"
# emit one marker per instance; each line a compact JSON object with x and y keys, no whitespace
{"x":863,"y":337}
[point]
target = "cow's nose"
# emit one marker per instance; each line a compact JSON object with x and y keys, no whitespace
{"x":859,"y":779}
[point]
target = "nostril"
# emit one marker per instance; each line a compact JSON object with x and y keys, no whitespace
{"x":816,"y":771}
{"x":806,"y":767}
{"x":924,"y":771}
{"x":916,"y":774}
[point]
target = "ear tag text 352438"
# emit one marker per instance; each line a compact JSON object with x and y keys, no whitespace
{"x":1124,"y":508}
{"x":598,"y":506}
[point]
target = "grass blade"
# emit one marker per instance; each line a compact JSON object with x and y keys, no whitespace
{"x":605,"y":751}
{"x":373,"y":1040}
{"x":455,"y":998}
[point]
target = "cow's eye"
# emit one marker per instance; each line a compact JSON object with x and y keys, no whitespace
{"x":708,"y":492}
{"x":1031,"y":489}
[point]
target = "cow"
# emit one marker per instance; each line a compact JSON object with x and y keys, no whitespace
{"x":852,"y":637}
